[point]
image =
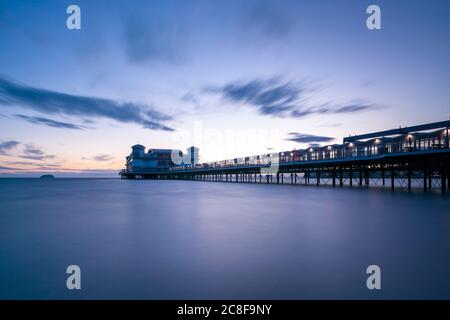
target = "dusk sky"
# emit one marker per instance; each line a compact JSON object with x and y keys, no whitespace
{"x":234,"y":78}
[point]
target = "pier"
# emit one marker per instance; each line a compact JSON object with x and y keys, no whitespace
{"x":416,"y":157}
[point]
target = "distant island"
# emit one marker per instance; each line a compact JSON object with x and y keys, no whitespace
{"x":47,"y":176}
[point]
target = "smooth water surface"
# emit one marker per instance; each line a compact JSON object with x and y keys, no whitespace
{"x":189,"y":240}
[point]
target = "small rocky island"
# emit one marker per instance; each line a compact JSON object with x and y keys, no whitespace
{"x":47,"y":176}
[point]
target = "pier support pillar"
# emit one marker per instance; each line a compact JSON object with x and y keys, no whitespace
{"x":430,"y":174}
{"x":392,"y":180}
{"x":443,"y":182}
{"x":360,"y":177}
{"x":409,"y":179}
{"x":425,"y":180}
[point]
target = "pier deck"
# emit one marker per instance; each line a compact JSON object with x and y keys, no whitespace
{"x":404,"y":158}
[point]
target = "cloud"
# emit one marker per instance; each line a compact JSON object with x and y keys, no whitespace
{"x":49,"y":122}
{"x":29,"y":163}
{"x":189,"y":97}
{"x":354,"y":108}
{"x":103,"y":157}
{"x":153,"y":40}
{"x":330,"y":125}
{"x":53,"y":102}
{"x":27,"y":151}
{"x":269,"y":20}
{"x":33,"y":153}
{"x":279,"y":98}
{"x":100,"y":157}
{"x":307,"y":138}
{"x":6,"y":146}
{"x":9,"y":168}
{"x":269,"y":97}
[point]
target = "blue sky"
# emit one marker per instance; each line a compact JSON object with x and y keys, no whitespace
{"x":234,"y":78}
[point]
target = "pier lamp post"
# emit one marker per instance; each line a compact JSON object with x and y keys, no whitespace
{"x":410,"y":139}
{"x":447,"y":144}
{"x":350,"y":145}
{"x":377,"y":144}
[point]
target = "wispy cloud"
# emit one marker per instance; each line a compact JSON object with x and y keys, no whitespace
{"x":6,"y":146}
{"x":279,"y":98}
{"x":49,"y":122}
{"x":269,"y":97}
{"x":24,"y":151}
{"x":33,"y":153}
{"x":330,"y":125}
{"x":53,"y":102}
{"x":10,"y":168}
{"x":29,"y":163}
{"x":307,"y":138}
{"x":103,"y":157}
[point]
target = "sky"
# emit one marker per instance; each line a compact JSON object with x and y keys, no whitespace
{"x":234,"y":78}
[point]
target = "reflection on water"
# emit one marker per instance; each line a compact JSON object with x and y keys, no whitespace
{"x":187,"y":240}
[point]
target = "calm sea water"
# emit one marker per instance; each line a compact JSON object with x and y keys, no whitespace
{"x":188,"y":240}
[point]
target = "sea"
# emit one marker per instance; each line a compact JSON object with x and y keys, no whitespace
{"x":148,"y":239}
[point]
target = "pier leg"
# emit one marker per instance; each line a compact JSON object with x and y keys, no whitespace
{"x":430,"y":174}
{"x":383,"y":177}
{"x":409,"y":179}
{"x":392,"y":180}
{"x":295,"y":178}
{"x":341,"y":178}
{"x":350,"y":173}
{"x":318,"y":177}
{"x":278,"y":177}
{"x":360,"y":177}
{"x":425,"y":180}
{"x":443,"y":182}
